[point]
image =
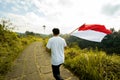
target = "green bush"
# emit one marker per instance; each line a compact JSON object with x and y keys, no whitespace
{"x":92,"y":65}
{"x":11,"y":45}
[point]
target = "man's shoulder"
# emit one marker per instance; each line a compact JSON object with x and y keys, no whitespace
{"x":51,"y":38}
{"x":56,"y":38}
{"x":62,"y":38}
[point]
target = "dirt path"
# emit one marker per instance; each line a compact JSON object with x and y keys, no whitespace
{"x":34,"y":64}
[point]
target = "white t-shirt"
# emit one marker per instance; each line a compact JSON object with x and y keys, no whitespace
{"x":56,"y":44}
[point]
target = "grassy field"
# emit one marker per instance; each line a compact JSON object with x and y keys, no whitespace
{"x":92,"y":64}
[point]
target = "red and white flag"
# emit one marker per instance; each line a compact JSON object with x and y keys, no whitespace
{"x":92,"y":32}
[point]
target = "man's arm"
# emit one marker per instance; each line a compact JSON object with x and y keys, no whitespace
{"x":48,"y":50}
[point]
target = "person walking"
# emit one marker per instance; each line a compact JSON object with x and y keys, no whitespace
{"x":56,"y":45}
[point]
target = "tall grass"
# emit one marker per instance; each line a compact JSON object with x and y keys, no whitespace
{"x":11,"y":44}
{"x":92,"y":64}
{"x":10,"y":50}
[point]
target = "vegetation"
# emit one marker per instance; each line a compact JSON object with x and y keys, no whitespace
{"x":11,"y":44}
{"x":92,"y":64}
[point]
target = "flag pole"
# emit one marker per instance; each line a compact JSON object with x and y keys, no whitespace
{"x":76,"y":29}
{"x":73,"y":31}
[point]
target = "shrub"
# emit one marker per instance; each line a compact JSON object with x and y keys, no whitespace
{"x":92,"y":65}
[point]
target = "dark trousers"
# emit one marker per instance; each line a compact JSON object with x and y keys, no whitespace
{"x":56,"y":72}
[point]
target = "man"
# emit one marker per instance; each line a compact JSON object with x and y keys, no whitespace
{"x":56,"y":44}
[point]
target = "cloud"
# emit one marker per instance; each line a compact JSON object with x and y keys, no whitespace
{"x":65,"y":2}
{"x":64,"y":14}
{"x":111,"y":10}
{"x":15,"y":9}
{"x":28,"y":22}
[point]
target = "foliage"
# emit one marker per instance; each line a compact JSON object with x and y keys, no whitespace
{"x":92,"y":64}
{"x":11,"y":44}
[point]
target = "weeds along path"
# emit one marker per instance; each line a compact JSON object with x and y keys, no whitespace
{"x":34,"y":64}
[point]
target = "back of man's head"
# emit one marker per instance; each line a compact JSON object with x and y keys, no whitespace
{"x":56,"y":31}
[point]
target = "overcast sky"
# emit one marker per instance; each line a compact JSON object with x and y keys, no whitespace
{"x":31,"y":15}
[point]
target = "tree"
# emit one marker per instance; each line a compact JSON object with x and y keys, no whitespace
{"x":29,"y":33}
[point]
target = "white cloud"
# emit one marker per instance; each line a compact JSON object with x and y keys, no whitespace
{"x":15,"y":9}
{"x":64,"y":14}
{"x":28,"y":22}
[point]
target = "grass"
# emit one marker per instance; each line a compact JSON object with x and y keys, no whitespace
{"x":92,"y":64}
{"x":10,"y":50}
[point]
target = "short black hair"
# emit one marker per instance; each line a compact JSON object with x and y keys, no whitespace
{"x":56,"y":31}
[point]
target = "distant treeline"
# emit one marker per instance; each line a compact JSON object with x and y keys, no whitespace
{"x":30,"y":33}
{"x":110,"y":44}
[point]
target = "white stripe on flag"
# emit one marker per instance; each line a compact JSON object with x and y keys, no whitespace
{"x":90,"y":35}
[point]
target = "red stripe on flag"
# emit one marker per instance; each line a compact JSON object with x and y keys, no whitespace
{"x":95,"y":27}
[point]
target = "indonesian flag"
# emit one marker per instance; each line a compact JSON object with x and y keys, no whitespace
{"x":93,"y":32}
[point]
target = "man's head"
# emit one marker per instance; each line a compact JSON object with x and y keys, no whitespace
{"x":56,"y":31}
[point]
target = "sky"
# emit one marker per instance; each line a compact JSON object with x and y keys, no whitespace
{"x":67,"y":15}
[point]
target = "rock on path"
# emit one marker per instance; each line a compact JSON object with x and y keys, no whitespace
{"x":34,"y":64}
